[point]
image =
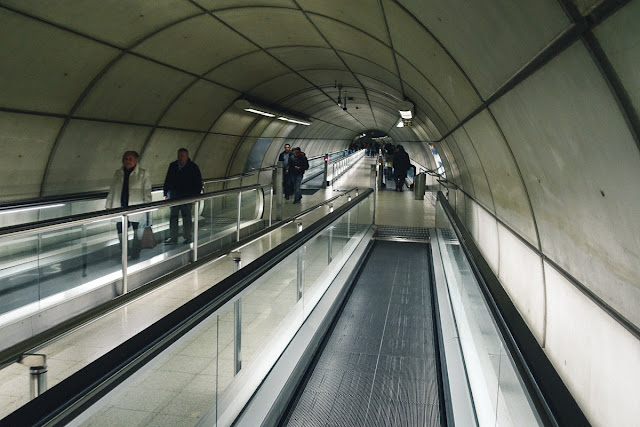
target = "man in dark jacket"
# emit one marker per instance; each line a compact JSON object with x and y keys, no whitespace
{"x":401,"y":165}
{"x":297,"y":165}
{"x":287,"y":181}
{"x":183,"y":180}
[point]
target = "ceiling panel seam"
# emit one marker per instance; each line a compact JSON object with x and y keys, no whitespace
{"x":606,"y":69}
{"x":395,"y":58}
{"x":306,"y":14}
{"x":213,"y":15}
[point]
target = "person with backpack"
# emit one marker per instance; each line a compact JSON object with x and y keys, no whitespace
{"x":297,"y":165}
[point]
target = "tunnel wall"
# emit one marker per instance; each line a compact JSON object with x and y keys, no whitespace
{"x":549,"y":191}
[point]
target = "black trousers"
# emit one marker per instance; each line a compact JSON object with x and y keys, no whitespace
{"x":136,"y":244}
{"x":187,"y":222}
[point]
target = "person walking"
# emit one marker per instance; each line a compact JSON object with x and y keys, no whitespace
{"x":183,"y":180}
{"x":131,"y":185}
{"x":401,"y":165}
{"x":287,"y":178}
{"x":297,"y":166}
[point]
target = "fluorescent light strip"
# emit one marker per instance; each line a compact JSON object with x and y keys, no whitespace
{"x":263,"y":113}
{"x":294,"y":121}
{"x":11,"y":211}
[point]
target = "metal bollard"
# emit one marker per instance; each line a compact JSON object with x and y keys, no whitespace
{"x":419,"y":188}
{"x":37,"y":364}
{"x":330,"y":246}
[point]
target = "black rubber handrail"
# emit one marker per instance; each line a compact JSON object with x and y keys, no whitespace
{"x":550,"y":395}
{"x":69,"y":398}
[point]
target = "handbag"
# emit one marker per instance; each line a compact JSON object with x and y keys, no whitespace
{"x":148,"y":239}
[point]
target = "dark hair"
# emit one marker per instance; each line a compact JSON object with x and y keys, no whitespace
{"x":297,"y":148}
{"x":133,"y":153}
{"x":183,"y":150}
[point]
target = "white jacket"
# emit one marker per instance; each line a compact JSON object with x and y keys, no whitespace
{"x":139,"y":191}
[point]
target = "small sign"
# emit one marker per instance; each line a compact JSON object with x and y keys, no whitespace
{"x":407,"y":122}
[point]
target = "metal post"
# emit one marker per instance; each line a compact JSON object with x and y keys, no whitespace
{"x":37,"y":364}
{"x":196,"y":214}
{"x":300,"y":266}
{"x":326,"y":182}
{"x":237,"y":320}
{"x":270,"y":204}
{"x":372,"y":177}
{"x":380,"y":172}
{"x":278,"y":176}
{"x":419,"y":187}
{"x":125,"y":245}
{"x":330,"y":246}
{"x":239,"y":214}
{"x":349,"y":224}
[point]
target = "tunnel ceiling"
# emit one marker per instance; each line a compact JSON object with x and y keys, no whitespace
{"x":181,"y":63}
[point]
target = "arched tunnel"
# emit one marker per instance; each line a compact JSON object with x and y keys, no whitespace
{"x":532,"y":106}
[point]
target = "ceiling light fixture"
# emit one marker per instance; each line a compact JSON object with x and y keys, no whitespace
{"x":269,"y":112}
{"x":406,"y":110}
{"x":400,"y":124}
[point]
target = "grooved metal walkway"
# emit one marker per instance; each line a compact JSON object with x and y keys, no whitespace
{"x":379,"y":366}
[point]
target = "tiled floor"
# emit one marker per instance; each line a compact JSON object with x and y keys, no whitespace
{"x":74,"y":351}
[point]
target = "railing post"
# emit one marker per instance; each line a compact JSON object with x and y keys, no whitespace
{"x":270,"y":205}
{"x":237,"y":321}
{"x":239,"y":215}
{"x":196,"y":214}
{"x":330,"y":246}
{"x":278,"y":175}
{"x":300,"y":267}
{"x":125,"y":244}
{"x":325,"y":181}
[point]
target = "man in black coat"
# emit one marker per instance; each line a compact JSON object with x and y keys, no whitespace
{"x":183,"y":180}
{"x":297,"y":165}
{"x":287,"y":181}
{"x":401,"y":165}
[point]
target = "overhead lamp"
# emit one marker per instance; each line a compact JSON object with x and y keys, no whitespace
{"x":300,"y":122}
{"x":269,"y":112}
{"x":400,"y":124}
{"x":406,"y":110}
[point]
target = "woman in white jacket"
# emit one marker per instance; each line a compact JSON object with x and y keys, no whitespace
{"x":131,"y":185}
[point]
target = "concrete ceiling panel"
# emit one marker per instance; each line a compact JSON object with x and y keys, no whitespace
{"x":273,"y":128}
{"x":308,"y":58}
{"x":133,"y":90}
{"x":234,"y":122}
{"x":27,"y":141}
{"x":93,"y":151}
{"x":368,"y":67}
{"x":377,"y":86}
{"x":278,"y":26}
{"x":162,"y":149}
{"x":620,"y":40}
{"x":44,"y":68}
{"x":347,"y":39}
{"x":280,"y":87}
{"x":507,"y":189}
{"x":225,"y":4}
{"x":417,"y":83}
{"x":585,"y":6}
{"x":326,"y":78}
{"x":474,"y":169}
{"x":491,"y":39}
{"x":581,"y":167}
{"x":199,"y":106}
{"x":240,"y":73}
{"x":426,"y":55}
{"x":362,"y":14}
{"x":113,"y":21}
{"x":215,"y":154}
{"x":196,"y":45}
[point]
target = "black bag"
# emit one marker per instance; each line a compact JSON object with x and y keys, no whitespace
{"x":148,"y":239}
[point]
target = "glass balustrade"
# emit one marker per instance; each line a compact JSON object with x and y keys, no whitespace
{"x":210,"y":373}
{"x":499,"y":394}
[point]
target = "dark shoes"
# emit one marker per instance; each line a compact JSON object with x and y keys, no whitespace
{"x":187,"y":241}
{"x":296,"y":201}
{"x":286,"y":196}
